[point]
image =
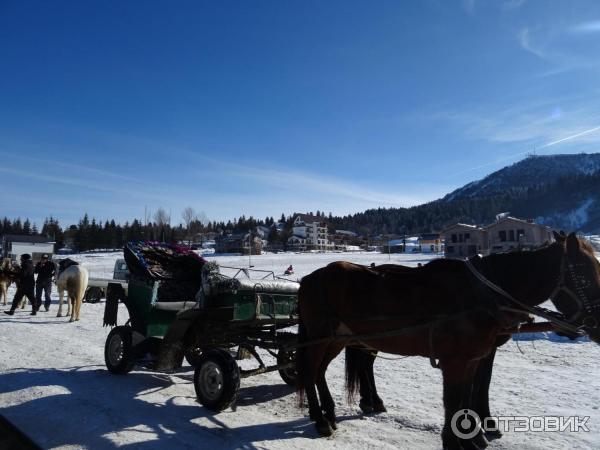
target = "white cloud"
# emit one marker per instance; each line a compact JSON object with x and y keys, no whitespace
{"x":586,"y":27}
{"x":301,"y":184}
{"x":524,"y":37}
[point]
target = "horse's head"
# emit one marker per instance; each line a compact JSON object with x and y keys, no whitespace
{"x":577,"y":294}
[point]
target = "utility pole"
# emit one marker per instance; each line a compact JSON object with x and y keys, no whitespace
{"x":250,"y":249}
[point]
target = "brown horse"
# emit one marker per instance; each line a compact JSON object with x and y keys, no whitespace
{"x":442,"y":311}
{"x":6,"y":278}
{"x":360,"y":375}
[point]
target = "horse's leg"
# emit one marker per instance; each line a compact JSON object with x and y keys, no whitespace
{"x":458,"y":377}
{"x":77,"y":301}
{"x":376,"y":401}
{"x":363,"y":360}
{"x":314,"y":355}
{"x":73,"y":304}
{"x":481,"y":402}
{"x":68,"y":300}
{"x":327,"y":403}
{"x":60,"y":301}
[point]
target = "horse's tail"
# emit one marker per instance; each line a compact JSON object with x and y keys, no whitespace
{"x":76,"y":282}
{"x":354,"y":366}
{"x":83,"y":283}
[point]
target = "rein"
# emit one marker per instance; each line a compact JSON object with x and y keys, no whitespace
{"x":547,"y":314}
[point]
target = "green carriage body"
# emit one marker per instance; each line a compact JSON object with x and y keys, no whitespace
{"x":252,"y":305}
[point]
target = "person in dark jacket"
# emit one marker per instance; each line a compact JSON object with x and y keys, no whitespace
{"x":46,"y":270}
{"x":25,"y":285}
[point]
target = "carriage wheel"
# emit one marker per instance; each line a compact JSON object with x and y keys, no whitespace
{"x":93,"y":295}
{"x":289,"y":375}
{"x":118,"y":354}
{"x":216,"y":379}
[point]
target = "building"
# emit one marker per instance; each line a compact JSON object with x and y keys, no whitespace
{"x":345,"y":241}
{"x":309,"y":233}
{"x":431,"y":243}
{"x":462,"y":240}
{"x":404,"y":244}
{"x":509,"y":233}
{"x":238,"y":243}
{"x":505,"y":234}
{"x":15,"y":245}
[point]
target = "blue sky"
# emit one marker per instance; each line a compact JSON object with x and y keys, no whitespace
{"x":264,"y":107}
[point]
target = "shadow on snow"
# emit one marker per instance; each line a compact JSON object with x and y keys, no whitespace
{"x":98,"y":406}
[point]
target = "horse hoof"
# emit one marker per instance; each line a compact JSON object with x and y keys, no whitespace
{"x":493,"y":435}
{"x":324,"y":428}
{"x":480,"y":441}
{"x":469,"y":445}
{"x":379,"y":408}
{"x":59,"y":315}
{"x":366,"y":408}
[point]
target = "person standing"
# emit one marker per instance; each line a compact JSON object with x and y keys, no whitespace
{"x":25,"y":284}
{"x":46,"y":270}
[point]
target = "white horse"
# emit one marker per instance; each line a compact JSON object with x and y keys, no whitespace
{"x":73,"y":280}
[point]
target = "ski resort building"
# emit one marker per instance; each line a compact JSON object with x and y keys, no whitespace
{"x":309,"y":233}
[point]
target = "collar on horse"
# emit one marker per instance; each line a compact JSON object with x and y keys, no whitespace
{"x":578,"y":295}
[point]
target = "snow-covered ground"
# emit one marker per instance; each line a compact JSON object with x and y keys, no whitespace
{"x":55,"y":387}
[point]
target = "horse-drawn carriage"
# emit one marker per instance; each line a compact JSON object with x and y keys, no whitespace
{"x":181,"y":306}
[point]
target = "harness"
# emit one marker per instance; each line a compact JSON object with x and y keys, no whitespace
{"x":578,"y":295}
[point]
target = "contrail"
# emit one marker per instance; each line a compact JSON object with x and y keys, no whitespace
{"x":591,"y":130}
{"x":549,"y":144}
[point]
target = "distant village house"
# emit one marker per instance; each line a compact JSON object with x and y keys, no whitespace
{"x":506,"y":233}
{"x":239,"y":243}
{"x":15,"y":245}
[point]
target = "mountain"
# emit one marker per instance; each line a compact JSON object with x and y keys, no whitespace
{"x":561,"y":191}
{"x":533,"y":171}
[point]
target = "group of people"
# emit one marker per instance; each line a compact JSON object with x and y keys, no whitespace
{"x":30,"y":287}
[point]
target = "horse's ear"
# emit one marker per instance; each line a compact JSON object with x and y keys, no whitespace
{"x":572,"y":244}
{"x":559,"y":237}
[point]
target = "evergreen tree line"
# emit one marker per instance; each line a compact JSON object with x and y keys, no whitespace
{"x":550,"y":199}
{"x":89,"y":234}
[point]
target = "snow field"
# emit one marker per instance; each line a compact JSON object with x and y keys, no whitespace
{"x":55,"y":387}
